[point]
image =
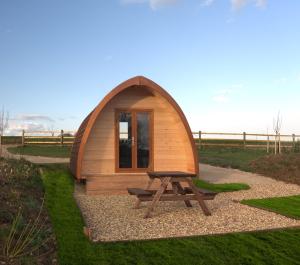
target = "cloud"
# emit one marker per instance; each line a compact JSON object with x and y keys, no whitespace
{"x":66,"y":118}
{"x":29,"y":122}
{"x":261,"y":3}
{"x":238,"y":4}
{"x":222,"y":95}
{"x":34,"y":117}
{"x":207,"y":2}
{"x":154,"y":4}
{"x":15,"y":128}
{"x":35,"y":122}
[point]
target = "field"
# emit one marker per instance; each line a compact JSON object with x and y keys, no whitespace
{"x":11,"y":139}
{"x":238,"y":158}
{"x":269,"y":247}
{"x":285,"y":167}
{"x":42,"y":150}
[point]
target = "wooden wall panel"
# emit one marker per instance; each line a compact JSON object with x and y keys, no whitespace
{"x":172,"y":150}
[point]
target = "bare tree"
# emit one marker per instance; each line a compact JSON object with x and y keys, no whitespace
{"x":277,"y":123}
{"x":4,"y":118}
{"x":51,"y":129}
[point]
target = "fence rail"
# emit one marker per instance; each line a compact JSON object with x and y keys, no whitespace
{"x":42,"y":137}
{"x":247,"y":140}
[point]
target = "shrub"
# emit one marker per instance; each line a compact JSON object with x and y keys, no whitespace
{"x":297,"y":147}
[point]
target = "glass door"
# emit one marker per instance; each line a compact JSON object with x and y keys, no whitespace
{"x":143,"y":139}
{"x":134,"y":140}
{"x":125,"y":140}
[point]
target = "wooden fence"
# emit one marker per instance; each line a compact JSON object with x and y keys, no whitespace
{"x":202,"y":139}
{"x":247,"y":140}
{"x":48,"y":137}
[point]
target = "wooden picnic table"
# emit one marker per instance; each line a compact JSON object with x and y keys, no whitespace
{"x":176,"y":193}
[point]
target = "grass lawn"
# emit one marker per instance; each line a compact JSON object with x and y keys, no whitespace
{"x":230,"y":157}
{"x":224,"y":187}
{"x":42,"y":150}
{"x":273,"y":247}
{"x":288,"y":206}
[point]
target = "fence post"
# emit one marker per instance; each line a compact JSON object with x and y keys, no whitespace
{"x":279,"y":146}
{"x":62,"y":137}
{"x":23,"y":137}
{"x":268,"y":144}
{"x":199,"y":139}
{"x":275,"y":144}
{"x":294,"y":142}
{"x":244,"y":139}
{"x":0,"y":145}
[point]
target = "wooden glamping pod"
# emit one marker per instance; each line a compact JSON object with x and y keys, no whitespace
{"x":137,"y":127}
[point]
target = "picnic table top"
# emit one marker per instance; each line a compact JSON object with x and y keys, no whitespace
{"x":162,"y":174}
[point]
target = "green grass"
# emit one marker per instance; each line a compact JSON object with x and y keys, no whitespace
{"x":238,"y":158}
{"x":273,"y":247}
{"x":42,"y":150}
{"x":224,"y":187}
{"x":288,"y":206}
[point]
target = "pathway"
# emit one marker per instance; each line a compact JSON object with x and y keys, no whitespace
{"x":34,"y":159}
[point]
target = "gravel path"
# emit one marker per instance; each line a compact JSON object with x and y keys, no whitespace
{"x":33,"y":159}
{"x":111,"y":218}
{"x":229,"y":175}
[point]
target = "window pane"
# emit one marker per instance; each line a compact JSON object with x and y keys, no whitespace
{"x":125,"y":146}
{"x":143,"y":143}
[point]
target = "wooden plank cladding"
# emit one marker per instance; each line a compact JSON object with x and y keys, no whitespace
{"x":116,"y":183}
{"x":95,"y":154}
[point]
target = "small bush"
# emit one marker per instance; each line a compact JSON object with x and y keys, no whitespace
{"x":297,"y":147}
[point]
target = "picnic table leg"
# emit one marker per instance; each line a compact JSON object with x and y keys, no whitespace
{"x":198,"y":196}
{"x":177,"y":188}
{"x":138,"y":202}
{"x":164,"y":184}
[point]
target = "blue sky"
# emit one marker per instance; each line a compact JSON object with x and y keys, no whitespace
{"x":230,"y":64}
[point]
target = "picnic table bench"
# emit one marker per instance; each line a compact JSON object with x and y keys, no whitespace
{"x":176,"y":193}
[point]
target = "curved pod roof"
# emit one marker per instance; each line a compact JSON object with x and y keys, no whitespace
{"x":85,"y":128}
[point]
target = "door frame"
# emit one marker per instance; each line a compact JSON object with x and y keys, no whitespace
{"x":134,"y":168}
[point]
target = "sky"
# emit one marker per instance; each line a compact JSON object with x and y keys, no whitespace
{"x":232,"y":65}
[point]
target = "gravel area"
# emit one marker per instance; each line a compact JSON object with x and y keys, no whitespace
{"x":112,"y":218}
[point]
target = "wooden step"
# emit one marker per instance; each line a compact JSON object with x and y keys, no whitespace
{"x":116,"y":183}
